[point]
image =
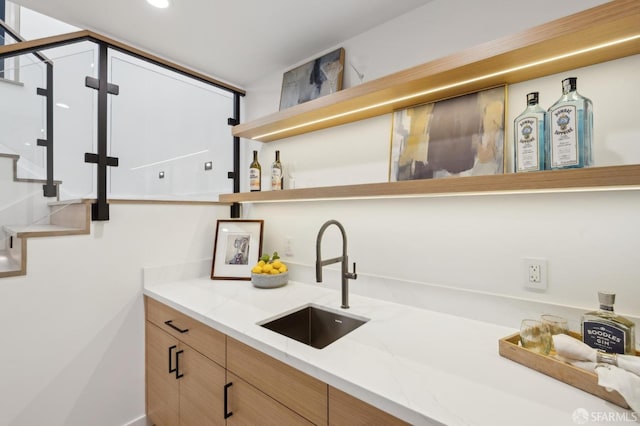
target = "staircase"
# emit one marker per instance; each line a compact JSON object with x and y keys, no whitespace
{"x":22,"y":203}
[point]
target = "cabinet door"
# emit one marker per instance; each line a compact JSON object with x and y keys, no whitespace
{"x":249,"y":406}
{"x":345,"y":409}
{"x":204,"y":339}
{"x":162,"y":386}
{"x":201,"y":389}
{"x":300,"y":392}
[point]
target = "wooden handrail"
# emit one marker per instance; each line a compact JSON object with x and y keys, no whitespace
{"x":30,"y":46}
{"x":17,"y":37}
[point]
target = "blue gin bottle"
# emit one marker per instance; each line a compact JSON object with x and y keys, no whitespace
{"x":529,"y":137}
{"x":570,"y":129}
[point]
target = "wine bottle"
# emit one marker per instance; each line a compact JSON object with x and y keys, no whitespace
{"x":570,"y":129}
{"x":255,"y":174}
{"x":529,"y":137}
{"x":276,"y":174}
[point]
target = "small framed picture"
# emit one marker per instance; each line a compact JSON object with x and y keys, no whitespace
{"x":316,"y":78}
{"x":237,"y":248}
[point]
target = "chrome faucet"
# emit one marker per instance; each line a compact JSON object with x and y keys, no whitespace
{"x":344,"y":259}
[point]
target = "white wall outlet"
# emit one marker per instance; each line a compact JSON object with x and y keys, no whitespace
{"x":288,"y":246}
{"x":534,"y":273}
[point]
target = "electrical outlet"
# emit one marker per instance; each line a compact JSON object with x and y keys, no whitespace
{"x":288,"y":246}
{"x":534,"y":273}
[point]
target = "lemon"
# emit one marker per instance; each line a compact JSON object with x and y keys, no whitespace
{"x":283,"y":268}
{"x":261,"y":263}
{"x":257,"y":269}
{"x":267,"y":268}
{"x":274,"y":271}
{"x":277,"y":264}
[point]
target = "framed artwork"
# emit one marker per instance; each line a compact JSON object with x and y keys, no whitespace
{"x":316,"y":78}
{"x":462,"y":136}
{"x":237,"y":248}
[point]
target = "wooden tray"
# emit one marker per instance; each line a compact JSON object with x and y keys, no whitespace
{"x":509,"y":347}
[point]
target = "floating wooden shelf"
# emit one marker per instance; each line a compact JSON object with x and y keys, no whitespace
{"x":600,"y":34}
{"x":590,"y":179}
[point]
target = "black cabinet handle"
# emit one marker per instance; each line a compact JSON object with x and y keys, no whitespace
{"x":227,"y":413}
{"x":170,"y":324}
{"x":178,"y":374}
{"x":171,"y":349}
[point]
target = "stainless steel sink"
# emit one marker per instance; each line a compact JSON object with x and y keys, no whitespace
{"x":314,"y":325}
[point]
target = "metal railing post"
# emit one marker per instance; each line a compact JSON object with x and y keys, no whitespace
{"x":235,"y":175}
{"x":100,"y":209}
{"x":49,"y":188}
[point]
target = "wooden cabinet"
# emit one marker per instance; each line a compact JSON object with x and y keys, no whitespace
{"x":204,"y":339}
{"x":294,"y":389}
{"x":162,"y":388}
{"x":201,"y":390}
{"x":184,"y":387}
{"x":249,"y":406}
{"x":345,"y":409}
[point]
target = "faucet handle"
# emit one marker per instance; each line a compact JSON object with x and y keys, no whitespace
{"x":352,"y":275}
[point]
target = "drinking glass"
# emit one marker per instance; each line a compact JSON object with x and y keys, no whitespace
{"x":556,"y":324}
{"x":535,"y":336}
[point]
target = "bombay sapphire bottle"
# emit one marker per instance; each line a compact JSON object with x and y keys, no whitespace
{"x":570,"y":124}
{"x":529,"y":137}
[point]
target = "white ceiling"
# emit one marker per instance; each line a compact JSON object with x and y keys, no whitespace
{"x":238,"y":41}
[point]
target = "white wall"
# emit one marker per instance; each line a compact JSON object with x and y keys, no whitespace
{"x":437,"y":29}
{"x":437,"y":252}
{"x":73,"y":341}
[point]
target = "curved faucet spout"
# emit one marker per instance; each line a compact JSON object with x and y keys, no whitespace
{"x":344,"y":259}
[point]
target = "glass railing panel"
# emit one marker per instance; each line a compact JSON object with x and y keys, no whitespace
{"x":22,"y":123}
{"x":23,"y":120}
{"x":22,"y":113}
{"x":166,"y":129}
{"x":75,"y":114}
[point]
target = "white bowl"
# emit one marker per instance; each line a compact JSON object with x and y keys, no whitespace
{"x":270,"y":280}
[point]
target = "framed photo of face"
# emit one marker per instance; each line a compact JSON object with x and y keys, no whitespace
{"x":237,"y":248}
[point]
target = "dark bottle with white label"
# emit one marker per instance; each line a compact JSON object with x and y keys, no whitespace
{"x":606,"y":331}
{"x":570,"y":129}
{"x":529,"y":137}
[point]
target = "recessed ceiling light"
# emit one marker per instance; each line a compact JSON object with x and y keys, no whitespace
{"x":162,"y":4}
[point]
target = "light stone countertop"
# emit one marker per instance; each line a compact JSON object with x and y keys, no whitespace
{"x":422,"y":366}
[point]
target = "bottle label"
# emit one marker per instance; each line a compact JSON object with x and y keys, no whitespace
{"x":254,"y":179}
{"x":564,"y":136}
{"x":604,"y":337}
{"x":276,"y":178}
{"x":527,"y":144}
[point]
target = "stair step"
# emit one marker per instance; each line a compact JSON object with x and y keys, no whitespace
{"x":45,"y":230}
{"x":8,"y":266}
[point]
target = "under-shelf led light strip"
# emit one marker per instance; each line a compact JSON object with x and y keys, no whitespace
{"x":456,"y":84}
{"x":454,"y":194}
